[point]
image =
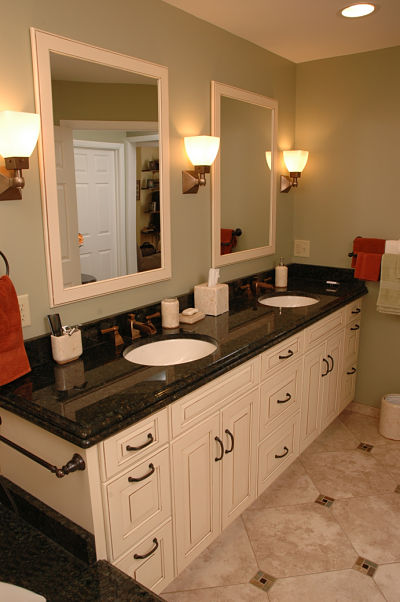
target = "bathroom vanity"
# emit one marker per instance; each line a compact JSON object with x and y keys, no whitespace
{"x":175,"y":453}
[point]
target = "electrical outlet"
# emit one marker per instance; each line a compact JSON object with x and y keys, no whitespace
{"x":301,"y":248}
{"x":24,"y":310}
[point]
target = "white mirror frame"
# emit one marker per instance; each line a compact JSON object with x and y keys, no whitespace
{"x":42,"y":44}
{"x":218,"y":90}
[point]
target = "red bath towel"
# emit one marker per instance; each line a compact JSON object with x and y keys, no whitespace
{"x":367,"y":245}
{"x":13,"y":359}
{"x":368,"y":266}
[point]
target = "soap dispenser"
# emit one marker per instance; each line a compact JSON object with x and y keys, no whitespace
{"x":281,"y":275}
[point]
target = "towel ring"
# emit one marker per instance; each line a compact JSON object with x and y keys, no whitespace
{"x":6,"y":262}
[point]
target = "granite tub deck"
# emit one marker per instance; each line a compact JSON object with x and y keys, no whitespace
{"x":102,"y":393}
{"x":31,"y":560}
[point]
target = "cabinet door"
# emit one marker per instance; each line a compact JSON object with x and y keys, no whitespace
{"x":239,"y":434}
{"x":314,"y":367}
{"x":331,"y":390}
{"x":196,"y":489}
{"x":348,"y":385}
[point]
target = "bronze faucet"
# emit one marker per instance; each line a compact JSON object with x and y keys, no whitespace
{"x":118,"y":340}
{"x":140,"y":328}
{"x":261,"y":284}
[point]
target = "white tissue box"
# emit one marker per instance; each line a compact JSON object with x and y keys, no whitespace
{"x":211,"y":300}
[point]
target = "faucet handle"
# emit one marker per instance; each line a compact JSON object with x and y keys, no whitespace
{"x":118,"y":340}
{"x":150,"y":323}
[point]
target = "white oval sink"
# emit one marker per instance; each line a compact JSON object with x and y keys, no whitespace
{"x":288,"y":301}
{"x":169,"y":352}
{"x":13,"y":593}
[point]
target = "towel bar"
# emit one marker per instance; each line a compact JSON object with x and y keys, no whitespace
{"x":6,"y":262}
{"x":76,"y":462}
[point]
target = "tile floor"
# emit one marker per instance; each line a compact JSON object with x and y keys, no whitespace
{"x":312,"y":551}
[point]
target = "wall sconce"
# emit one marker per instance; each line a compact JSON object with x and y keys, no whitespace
{"x":201,"y":151}
{"x":18,"y":136}
{"x":295,"y":161}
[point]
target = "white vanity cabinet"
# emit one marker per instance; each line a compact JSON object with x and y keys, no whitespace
{"x":350,"y":355}
{"x":214,"y":462}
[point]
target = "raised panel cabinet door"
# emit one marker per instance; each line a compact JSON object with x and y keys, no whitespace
{"x":196,"y":487}
{"x":239,"y":434}
{"x":314,"y":368}
{"x":348,"y":385}
{"x":332,"y":382}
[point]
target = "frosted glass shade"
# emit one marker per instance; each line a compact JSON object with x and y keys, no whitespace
{"x":202,"y":150}
{"x":295,"y":160}
{"x":18,"y":133}
{"x":268,"y":158}
{"x":361,"y":9}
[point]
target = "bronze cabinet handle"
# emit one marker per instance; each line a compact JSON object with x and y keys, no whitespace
{"x":284,"y":454}
{"x":150,"y":440}
{"x":356,"y":311}
{"x":333,"y":363}
{"x":352,"y":371}
{"x":285,"y":357}
{"x":140,"y":556}
{"x":218,"y":458}
{"x":228,"y":432}
{"x":356,"y":327}
{"x":327,"y":367}
{"x":288,"y":398}
{"x":146,"y":476}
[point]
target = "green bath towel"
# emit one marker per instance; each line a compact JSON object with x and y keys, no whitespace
{"x":389,"y":292}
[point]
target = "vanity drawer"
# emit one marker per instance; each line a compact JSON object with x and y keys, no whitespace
{"x":321,"y":330}
{"x":196,"y":406}
{"x":135,"y":507}
{"x":281,"y":355}
{"x":353,"y":310}
{"x":277,"y":451}
{"x":352,"y":339}
{"x":280,"y":396}
{"x":130,"y":445}
{"x":156,"y":569}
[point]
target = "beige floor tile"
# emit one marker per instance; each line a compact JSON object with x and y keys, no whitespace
{"x":365,"y":428}
{"x":233,"y":593}
{"x":389,"y":458}
{"x":336,"y":437}
{"x":228,"y":560}
{"x":363,"y":408}
{"x":293,"y":486}
{"x":372,"y":524}
{"x":294,"y":540}
{"x":347,"y":474}
{"x":337,"y":586}
{"x":388,"y":579}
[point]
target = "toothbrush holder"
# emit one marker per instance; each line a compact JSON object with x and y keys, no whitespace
{"x":66,"y":348}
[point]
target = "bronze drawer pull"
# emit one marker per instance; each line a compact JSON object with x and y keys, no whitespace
{"x":284,"y":454}
{"x":285,"y":357}
{"x":356,"y":311}
{"x":356,"y":327}
{"x":327,"y":367}
{"x":333,"y":363}
{"x":150,"y":440}
{"x":228,"y":432}
{"x":142,"y":556}
{"x":288,"y":398}
{"x":146,"y":476}
{"x":218,"y":458}
{"x":353,"y":371}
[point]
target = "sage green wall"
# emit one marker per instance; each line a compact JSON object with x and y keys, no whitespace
{"x":348,"y":118}
{"x":195,"y":53}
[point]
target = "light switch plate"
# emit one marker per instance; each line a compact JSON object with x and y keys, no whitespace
{"x":301,"y":248}
{"x":25,"y":310}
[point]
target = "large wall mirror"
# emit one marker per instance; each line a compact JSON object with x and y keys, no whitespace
{"x":104,"y":168}
{"x":243,"y":175}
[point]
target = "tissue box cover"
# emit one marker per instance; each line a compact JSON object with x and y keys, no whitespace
{"x":211,"y":300}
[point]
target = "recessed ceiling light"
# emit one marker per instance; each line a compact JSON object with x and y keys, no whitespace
{"x":361,"y":9}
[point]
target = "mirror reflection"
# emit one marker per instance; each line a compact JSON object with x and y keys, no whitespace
{"x":243,"y":183}
{"x":107,"y":175}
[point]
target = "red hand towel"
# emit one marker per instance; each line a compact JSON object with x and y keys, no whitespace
{"x":228,"y":240}
{"x":13,"y":359}
{"x":367,"y":245}
{"x":368,"y":266}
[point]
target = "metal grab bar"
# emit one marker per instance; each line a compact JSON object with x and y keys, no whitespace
{"x":6,"y":262}
{"x":76,"y":462}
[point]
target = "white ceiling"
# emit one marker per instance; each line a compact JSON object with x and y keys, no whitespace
{"x":301,"y":30}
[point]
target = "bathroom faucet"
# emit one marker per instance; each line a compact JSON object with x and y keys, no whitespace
{"x":261,"y":284}
{"x":140,"y":328}
{"x":118,"y":340}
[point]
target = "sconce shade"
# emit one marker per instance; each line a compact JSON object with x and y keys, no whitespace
{"x":18,"y":133}
{"x":295,"y":160}
{"x":202,"y":150}
{"x":268,"y":158}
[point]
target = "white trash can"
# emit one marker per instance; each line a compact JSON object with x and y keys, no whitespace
{"x":389,"y":423}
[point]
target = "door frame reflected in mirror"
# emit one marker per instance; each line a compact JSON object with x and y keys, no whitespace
{"x":44,"y":43}
{"x":219,"y":90}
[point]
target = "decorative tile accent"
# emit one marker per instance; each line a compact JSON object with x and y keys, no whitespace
{"x":365,"y":447}
{"x":325,"y":500}
{"x":397,"y":490}
{"x":263,"y":581}
{"x":365,"y":566}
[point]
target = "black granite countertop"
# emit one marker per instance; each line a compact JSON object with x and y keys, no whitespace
{"x":96,"y":396}
{"x":31,"y":560}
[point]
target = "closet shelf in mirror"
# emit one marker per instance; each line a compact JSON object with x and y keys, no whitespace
{"x":152,"y":170}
